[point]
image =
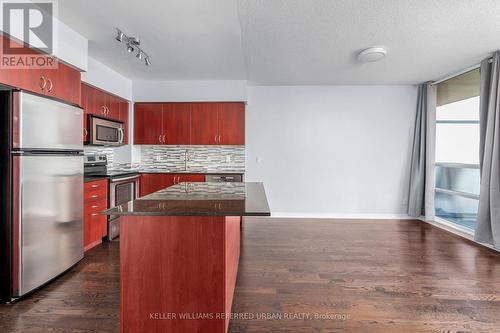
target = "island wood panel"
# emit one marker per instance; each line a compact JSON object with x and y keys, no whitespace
{"x":179,"y":269}
{"x":232,"y":259}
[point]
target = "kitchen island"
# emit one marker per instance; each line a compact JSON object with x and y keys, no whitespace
{"x":179,"y":254}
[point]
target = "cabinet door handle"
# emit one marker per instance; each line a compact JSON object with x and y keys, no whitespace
{"x":94,"y":196}
{"x":219,"y":138}
{"x":43,"y":82}
{"x":51,"y":85}
{"x":164,"y":138}
{"x":215,"y":138}
{"x":103,"y":110}
{"x":95,"y":214}
{"x":85,"y":137}
{"x":94,"y":206}
{"x":159,"y":138}
{"x":95,"y":186}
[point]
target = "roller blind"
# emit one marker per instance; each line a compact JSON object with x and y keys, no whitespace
{"x":456,"y":89}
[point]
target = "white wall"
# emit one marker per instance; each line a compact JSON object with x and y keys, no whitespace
{"x":190,"y":91}
{"x":72,"y":47}
{"x":101,"y":76}
{"x":331,"y":151}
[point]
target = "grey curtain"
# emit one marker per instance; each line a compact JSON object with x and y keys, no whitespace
{"x":416,"y":196}
{"x":488,"y":224}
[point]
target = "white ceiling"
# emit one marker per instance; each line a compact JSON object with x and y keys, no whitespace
{"x":186,"y":39}
{"x":290,"y":42}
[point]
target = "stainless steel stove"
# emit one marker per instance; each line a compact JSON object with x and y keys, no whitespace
{"x":123,"y":186}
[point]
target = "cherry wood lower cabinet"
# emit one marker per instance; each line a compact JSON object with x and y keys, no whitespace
{"x":152,"y":182}
{"x":94,"y":223}
{"x":175,"y":266}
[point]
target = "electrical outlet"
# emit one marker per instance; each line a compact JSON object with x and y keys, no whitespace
{"x":158,"y":158}
{"x":228,"y":158}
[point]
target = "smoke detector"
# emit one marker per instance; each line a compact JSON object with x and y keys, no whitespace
{"x":372,"y":54}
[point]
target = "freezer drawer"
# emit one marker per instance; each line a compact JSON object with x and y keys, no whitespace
{"x":44,"y":124}
{"x":49,"y":220}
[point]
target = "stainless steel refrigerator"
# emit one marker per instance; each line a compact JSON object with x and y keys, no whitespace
{"x":42,"y":184}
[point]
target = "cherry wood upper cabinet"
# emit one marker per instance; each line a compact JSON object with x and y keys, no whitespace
{"x":64,"y":83}
{"x":61,"y":82}
{"x":204,"y":128}
{"x":84,"y":103}
{"x":176,"y":123}
{"x":103,"y":104}
{"x":123,"y":116}
{"x":112,"y":104}
{"x":231,"y":123}
{"x":148,"y":123}
{"x":204,"y":123}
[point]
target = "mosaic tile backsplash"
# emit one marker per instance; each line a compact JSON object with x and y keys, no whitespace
{"x":109,"y":152}
{"x":202,"y":159}
{"x":194,"y":159}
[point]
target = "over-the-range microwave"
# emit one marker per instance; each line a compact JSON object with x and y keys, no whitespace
{"x":104,"y":132}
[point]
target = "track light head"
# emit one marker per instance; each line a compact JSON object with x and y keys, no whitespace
{"x":147,"y":61}
{"x":119,"y":36}
{"x":130,"y":48}
{"x":139,"y":55}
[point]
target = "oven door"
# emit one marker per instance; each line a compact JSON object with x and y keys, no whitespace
{"x":105,"y":132}
{"x":121,"y":190}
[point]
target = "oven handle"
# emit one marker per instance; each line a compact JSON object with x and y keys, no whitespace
{"x":124,"y":179}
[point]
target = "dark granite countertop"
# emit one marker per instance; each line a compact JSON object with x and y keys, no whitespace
{"x":200,"y":199}
{"x":87,"y":179}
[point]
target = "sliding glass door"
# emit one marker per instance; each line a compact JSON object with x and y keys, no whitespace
{"x":457,"y":150}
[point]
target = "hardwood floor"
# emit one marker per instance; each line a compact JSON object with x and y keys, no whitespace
{"x":364,"y":276}
{"x":371,"y":276}
{"x":85,"y":299}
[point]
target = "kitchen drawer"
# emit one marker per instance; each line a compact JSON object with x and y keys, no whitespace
{"x":95,"y":206}
{"x":96,"y":196}
{"x":96,"y":185}
{"x":96,"y":192}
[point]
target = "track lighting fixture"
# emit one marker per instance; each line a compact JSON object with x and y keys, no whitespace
{"x":120,"y":35}
{"x":132,"y":44}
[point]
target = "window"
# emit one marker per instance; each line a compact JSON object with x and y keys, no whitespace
{"x":457,"y":150}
